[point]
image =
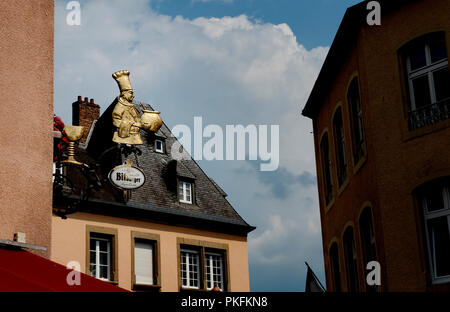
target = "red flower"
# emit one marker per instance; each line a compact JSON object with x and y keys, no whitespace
{"x":63,"y":143}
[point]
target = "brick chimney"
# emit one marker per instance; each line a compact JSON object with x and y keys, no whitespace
{"x":84,"y":112}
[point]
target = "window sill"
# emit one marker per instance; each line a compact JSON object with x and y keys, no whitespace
{"x":193,"y":290}
{"x":330,"y":204}
{"x":413,"y":134}
{"x":359,"y":164}
{"x":441,"y":280}
{"x":146,"y":288}
{"x":342,"y":188}
{"x":115,"y":283}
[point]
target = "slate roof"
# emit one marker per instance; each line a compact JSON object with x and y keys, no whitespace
{"x":159,"y":193}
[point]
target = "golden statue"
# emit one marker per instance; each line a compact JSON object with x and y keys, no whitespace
{"x":126,"y":116}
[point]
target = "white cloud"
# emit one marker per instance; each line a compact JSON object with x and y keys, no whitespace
{"x":228,"y":70}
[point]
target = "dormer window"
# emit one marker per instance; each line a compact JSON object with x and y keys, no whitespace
{"x":185,"y":192}
{"x":159,"y":146}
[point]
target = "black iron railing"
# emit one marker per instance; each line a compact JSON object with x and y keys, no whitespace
{"x":429,"y":115}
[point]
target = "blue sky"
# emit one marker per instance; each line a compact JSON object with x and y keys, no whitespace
{"x":313,"y":22}
{"x":230,"y":62}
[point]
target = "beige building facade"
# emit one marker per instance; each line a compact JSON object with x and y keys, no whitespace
{"x":177,"y":232}
{"x":168,"y":241}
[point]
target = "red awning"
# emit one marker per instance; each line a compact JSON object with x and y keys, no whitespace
{"x":23,"y":271}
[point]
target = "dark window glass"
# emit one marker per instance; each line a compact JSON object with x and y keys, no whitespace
{"x":417,"y":57}
{"x":438,"y":233}
{"x":335,"y":270}
{"x":442,"y":84}
{"x":356,"y":120}
{"x":341,"y":158}
{"x":438,"y":51}
{"x":326,"y":168}
{"x":368,"y":242}
{"x":350,"y":261}
{"x":421,"y":91}
{"x":435,"y":200}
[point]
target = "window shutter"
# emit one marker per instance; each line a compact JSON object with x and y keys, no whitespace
{"x":143,"y":263}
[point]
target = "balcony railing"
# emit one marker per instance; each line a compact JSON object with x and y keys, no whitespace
{"x":429,"y":115}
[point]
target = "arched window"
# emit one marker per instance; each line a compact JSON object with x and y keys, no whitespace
{"x":356,"y":120}
{"x":326,"y":169}
{"x":434,"y":199}
{"x":335,"y":268}
{"x":339,"y":138}
{"x":368,"y":241}
{"x":428,"y":77}
{"x":350,"y":261}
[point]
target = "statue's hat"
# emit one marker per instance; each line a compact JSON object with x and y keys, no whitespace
{"x":123,"y":80}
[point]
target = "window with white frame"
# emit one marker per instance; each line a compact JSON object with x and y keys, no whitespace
{"x":435,"y":202}
{"x":185,"y":192}
{"x":190,"y":269}
{"x":159,"y":146}
{"x":428,"y":73}
{"x":428,"y":76}
{"x":100,"y":257}
{"x":214,"y":271}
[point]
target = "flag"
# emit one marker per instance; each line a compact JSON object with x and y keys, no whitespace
{"x":312,"y":282}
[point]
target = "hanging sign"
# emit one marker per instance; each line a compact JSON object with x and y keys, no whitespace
{"x":127,"y":177}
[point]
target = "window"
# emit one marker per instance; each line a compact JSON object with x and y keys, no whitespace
{"x":356,"y":120}
{"x":428,"y":78}
{"x":350,"y":261}
{"x":435,"y":202}
{"x":203,"y":267}
{"x":326,"y":169}
{"x":214,"y":270}
{"x":145,"y":262}
{"x":190,"y":269}
{"x":341,"y":159}
{"x":159,"y":146}
{"x":335,"y":269}
{"x":100,"y":257}
{"x":368,"y":241}
{"x":185,"y":192}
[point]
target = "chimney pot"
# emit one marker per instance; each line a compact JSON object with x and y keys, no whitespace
{"x":84,"y":113}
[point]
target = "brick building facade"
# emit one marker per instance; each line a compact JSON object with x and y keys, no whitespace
{"x":26,"y":114}
{"x":380,"y":111}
